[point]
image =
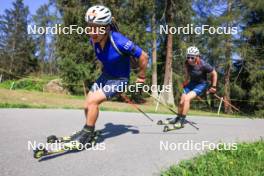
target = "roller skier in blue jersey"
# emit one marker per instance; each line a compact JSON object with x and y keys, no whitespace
{"x":114,"y":51}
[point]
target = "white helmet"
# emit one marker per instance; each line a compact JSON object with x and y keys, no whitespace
{"x":98,"y":14}
{"x":192,"y":50}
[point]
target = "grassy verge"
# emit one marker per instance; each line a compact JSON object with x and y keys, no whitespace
{"x":248,"y":159}
{"x":28,"y":83}
{"x":36,"y":99}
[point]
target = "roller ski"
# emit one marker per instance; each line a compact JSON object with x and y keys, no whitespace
{"x":172,"y":123}
{"x":84,"y":139}
{"x":179,"y":123}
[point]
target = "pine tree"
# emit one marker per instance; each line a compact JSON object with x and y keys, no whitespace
{"x":154,"y":52}
{"x":219,"y":49}
{"x":76,"y":57}
{"x":252,"y":48}
{"x":177,"y":13}
{"x":43,"y":18}
{"x":17,"y":47}
{"x":168,"y":96}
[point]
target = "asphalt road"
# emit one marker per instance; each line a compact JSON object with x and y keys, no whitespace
{"x":132,"y":145}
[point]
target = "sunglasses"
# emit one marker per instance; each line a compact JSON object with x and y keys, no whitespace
{"x":190,"y":57}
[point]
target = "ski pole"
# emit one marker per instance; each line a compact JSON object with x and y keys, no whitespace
{"x":135,"y":106}
{"x":227,"y":102}
{"x":172,"y":110}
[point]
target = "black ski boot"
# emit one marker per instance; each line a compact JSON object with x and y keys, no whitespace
{"x":180,"y":122}
{"x":174,"y":120}
{"x":85,"y":137}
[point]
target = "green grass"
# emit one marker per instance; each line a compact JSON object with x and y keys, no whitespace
{"x":36,"y":99}
{"x":27,"y":93}
{"x":18,"y":105}
{"x":31,"y":106}
{"x":247,"y":160}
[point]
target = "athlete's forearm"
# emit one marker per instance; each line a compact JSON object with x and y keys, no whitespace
{"x":214,"y":78}
{"x":143,"y":63}
{"x":186,"y":76}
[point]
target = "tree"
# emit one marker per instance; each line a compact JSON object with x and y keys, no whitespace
{"x":219,"y":50}
{"x":228,"y":53}
{"x":168,"y":96}
{"x":177,"y":13}
{"x":252,"y":49}
{"x":45,"y":18}
{"x":75,"y":53}
{"x":17,"y":46}
{"x":154,"y":52}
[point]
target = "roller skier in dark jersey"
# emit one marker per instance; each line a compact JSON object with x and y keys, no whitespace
{"x":195,"y":84}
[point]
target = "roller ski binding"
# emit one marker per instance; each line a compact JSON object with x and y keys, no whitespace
{"x":168,"y":121}
{"x":56,"y":139}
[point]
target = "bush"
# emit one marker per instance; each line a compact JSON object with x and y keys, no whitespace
{"x":6,"y":84}
{"x":30,"y":83}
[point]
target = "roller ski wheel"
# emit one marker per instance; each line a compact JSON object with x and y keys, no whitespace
{"x":159,"y":122}
{"x":165,"y":129}
{"x":172,"y":127}
{"x":52,"y":139}
{"x":38,"y":153}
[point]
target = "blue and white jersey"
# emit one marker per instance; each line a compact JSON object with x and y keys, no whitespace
{"x":114,"y":63}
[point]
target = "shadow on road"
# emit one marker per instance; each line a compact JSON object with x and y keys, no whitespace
{"x":110,"y":130}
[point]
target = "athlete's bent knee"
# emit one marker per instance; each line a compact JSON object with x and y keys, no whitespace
{"x":182,"y":99}
{"x":187,"y":99}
